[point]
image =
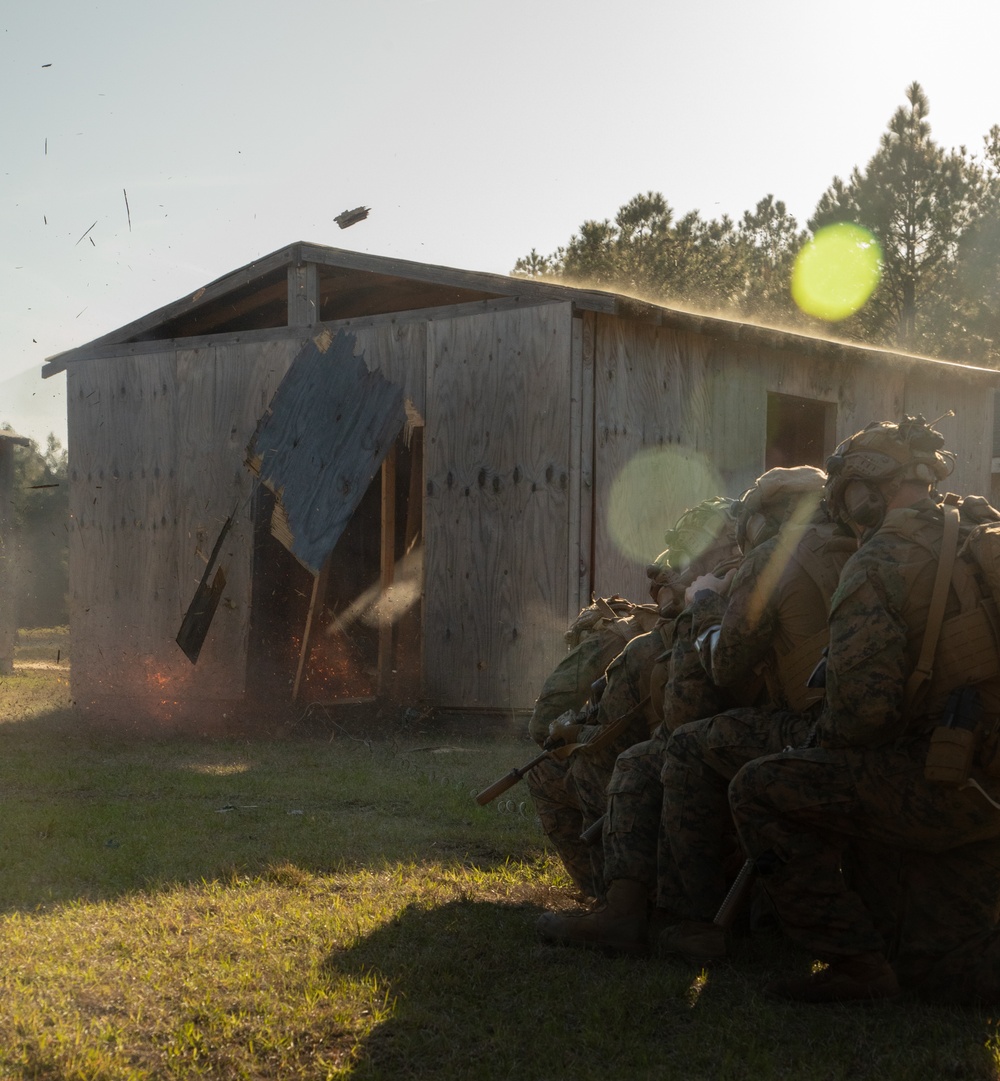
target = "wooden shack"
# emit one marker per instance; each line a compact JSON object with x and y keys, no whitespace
{"x":533,"y":444}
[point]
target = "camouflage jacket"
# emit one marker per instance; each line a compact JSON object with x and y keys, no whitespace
{"x":877,"y":622}
{"x":778,"y":603}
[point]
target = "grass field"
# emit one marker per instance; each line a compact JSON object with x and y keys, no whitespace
{"x":323,"y":906}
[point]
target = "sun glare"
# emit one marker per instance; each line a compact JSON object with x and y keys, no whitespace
{"x":651,"y":492}
{"x":837,"y":271}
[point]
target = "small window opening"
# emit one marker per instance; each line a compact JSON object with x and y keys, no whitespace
{"x":800,"y":431}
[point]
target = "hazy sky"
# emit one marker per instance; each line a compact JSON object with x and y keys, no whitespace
{"x":475,"y":131}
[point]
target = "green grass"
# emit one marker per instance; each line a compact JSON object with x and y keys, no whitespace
{"x":307,"y":907}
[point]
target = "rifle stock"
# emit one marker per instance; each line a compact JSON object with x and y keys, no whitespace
{"x":608,"y":732}
{"x":508,"y":781}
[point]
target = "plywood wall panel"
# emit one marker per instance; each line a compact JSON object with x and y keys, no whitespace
{"x":654,"y":397}
{"x":157,"y":444}
{"x":496,"y":506}
{"x":399,"y":352}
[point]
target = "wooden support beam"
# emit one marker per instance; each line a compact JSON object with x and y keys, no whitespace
{"x":316,"y":602}
{"x":387,"y":574}
{"x":303,"y":295}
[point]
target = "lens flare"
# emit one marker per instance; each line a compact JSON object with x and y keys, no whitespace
{"x":837,"y":271}
{"x":651,"y":492}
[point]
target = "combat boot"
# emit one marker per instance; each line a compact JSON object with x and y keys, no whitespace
{"x":696,"y":941}
{"x":617,"y":925}
{"x":862,"y":978}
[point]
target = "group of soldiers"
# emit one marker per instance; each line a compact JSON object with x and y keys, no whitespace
{"x":810,"y":703}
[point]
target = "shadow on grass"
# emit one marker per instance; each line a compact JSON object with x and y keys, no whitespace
{"x":92,"y":815}
{"x":474,"y":994}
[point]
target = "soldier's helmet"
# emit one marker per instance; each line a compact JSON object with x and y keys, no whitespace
{"x":695,"y":532}
{"x":882,"y":456}
{"x":773,"y":498}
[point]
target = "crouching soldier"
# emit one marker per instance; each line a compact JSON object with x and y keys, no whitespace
{"x":758,"y":618}
{"x":907,"y":633}
{"x":775,"y":627}
{"x":569,"y":794}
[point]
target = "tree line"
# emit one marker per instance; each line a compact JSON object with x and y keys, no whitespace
{"x":36,"y":546}
{"x":934,"y":212}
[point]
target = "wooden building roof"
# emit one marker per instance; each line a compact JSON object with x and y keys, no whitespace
{"x":256,"y":303}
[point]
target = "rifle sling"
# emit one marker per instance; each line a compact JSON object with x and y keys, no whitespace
{"x":935,"y":614}
{"x":612,"y":730}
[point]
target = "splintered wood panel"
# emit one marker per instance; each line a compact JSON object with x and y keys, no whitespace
{"x":222,"y":391}
{"x":654,"y":393}
{"x":497,"y":475}
{"x":157,"y":444}
{"x":323,"y":438}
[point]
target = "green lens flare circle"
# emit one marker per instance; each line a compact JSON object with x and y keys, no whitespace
{"x":836,"y":272}
{"x":649,"y":494}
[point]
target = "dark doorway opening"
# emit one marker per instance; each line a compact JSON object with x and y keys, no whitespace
{"x":352,"y":633}
{"x":800,"y":431}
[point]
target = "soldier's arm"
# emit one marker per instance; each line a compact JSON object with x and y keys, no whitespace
{"x":748,"y":626}
{"x":866,"y":665}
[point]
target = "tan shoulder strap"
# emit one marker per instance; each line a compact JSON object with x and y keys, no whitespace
{"x":939,"y":598}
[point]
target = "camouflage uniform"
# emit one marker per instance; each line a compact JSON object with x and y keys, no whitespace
{"x":570,"y":794}
{"x":632,"y":838}
{"x":776,"y":617}
{"x":796,"y":810}
{"x":635,"y":792}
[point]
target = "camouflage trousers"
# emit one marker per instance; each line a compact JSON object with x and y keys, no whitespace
{"x":632,"y":820}
{"x":570,"y":794}
{"x":696,"y":834}
{"x":798,"y":810}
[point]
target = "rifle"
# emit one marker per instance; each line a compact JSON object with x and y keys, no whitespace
{"x":738,"y":893}
{"x":593,"y":833}
{"x":607,"y":733}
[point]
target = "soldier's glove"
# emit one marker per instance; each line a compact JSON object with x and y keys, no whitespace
{"x":570,"y":733}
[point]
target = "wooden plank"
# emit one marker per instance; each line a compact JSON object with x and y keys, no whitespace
{"x":312,"y":615}
{"x":736,"y":422}
{"x":574,"y":556}
{"x":387,"y":571}
{"x":303,"y":295}
{"x":496,"y":505}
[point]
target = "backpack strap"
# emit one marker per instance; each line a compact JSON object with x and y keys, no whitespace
{"x":939,"y":598}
